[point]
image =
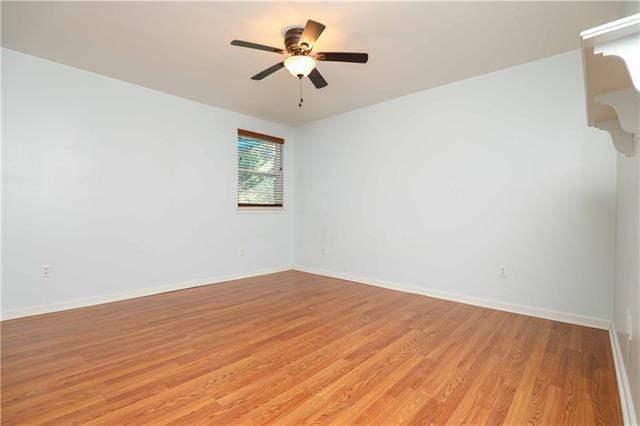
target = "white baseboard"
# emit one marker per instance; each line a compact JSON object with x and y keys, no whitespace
{"x":131,"y":294}
{"x":469,"y":300}
{"x":624,"y":389}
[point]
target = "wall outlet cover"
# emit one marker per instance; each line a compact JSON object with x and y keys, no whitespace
{"x":45,"y":271}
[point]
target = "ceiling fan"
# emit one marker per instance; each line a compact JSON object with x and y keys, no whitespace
{"x":300,"y":62}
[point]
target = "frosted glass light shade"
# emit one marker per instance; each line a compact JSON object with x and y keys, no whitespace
{"x":299,"y":65}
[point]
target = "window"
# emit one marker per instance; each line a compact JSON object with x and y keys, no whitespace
{"x":259,"y":170}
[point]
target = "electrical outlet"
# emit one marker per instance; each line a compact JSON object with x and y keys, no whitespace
{"x":243,"y":252}
{"x":325,"y":250}
{"x":503,"y":271}
{"x":45,"y":271}
{"x":629,"y":322}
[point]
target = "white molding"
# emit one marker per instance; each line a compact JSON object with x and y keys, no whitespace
{"x":132,"y":294}
{"x":620,"y":39}
{"x":624,"y":390}
{"x":456,"y":297}
{"x":611,"y":30}
{"x":469,"y":300}
{"x":250,"y":210}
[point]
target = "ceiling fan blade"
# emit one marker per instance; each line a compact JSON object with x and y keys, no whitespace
{"x":268,"y":71}
{"x":310,"y":34}
{"x":317,"y":79}
{"x":256,"y":46}
{"x":359,"y":58}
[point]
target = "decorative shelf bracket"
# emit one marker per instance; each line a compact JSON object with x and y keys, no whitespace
{"x":628,"y":50}
{"x":622,"y":140}
{"x":626,"y":103}
{"x":611,"y":59}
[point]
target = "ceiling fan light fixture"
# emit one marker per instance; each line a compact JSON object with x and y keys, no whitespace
{"x":298,"y":44}
{"x":300,"y":65}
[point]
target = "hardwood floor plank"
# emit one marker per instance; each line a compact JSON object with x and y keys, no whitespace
{"x":291,"y":348}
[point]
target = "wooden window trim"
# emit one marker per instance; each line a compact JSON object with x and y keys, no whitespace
{"x":260,"y":136}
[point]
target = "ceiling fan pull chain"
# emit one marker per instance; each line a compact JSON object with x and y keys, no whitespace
{"x":301,"y":99}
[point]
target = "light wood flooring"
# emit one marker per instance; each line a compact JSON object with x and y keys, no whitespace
{"x":293,"y":347}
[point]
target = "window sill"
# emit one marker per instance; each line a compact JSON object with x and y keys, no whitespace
{"x":260,"y":209}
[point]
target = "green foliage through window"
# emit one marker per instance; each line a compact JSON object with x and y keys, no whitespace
{"x":259,"y":172}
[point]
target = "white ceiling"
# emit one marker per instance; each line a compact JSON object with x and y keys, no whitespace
{"x":183,"y":48}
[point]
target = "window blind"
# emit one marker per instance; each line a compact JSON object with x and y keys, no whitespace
{"x":260,"y":180}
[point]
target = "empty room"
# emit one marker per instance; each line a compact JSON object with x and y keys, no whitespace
{"x":284,"y":213}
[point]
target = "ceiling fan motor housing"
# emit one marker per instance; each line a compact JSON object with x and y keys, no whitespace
{"x":291,"y":39}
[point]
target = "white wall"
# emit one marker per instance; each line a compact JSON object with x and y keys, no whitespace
{"x":627,"y":271}
{"x":438,"y":189}
{"x":627,"y":283}
{"x":119,"y":187}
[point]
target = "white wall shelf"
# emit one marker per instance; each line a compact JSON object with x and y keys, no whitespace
{"x":611,"y":59}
